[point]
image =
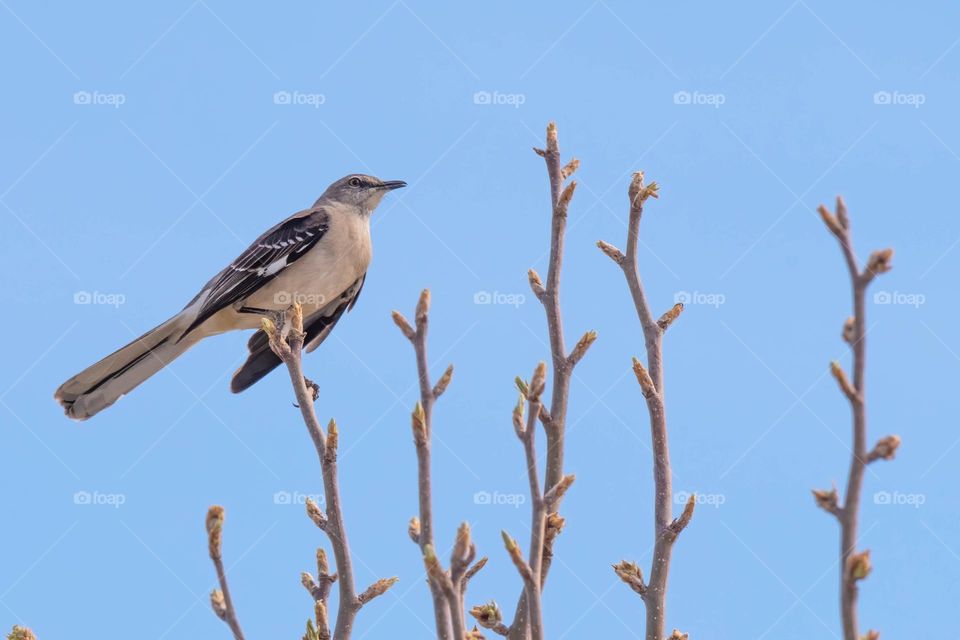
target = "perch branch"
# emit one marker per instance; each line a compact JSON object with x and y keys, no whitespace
{"x":287,"y":342}
{"x":854,"y":566}
{"x":650,"y":379}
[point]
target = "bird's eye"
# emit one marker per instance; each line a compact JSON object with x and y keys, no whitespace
{"x":354,"y":182}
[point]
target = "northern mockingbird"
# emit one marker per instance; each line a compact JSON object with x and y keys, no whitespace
{"x":318,"y":257}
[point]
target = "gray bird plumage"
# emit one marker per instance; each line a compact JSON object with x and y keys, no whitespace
{"x":318,"y":257}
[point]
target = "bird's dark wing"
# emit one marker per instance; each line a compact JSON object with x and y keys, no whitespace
{"x":262,"y":261}
{"x":317,"y":326}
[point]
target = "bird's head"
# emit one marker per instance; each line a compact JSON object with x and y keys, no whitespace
{"x":360,"y":191}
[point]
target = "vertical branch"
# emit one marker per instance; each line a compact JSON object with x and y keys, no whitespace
{"x":444,"y":589}
{"x":854,"y":566}
{"x":650,"y":378}
{"x":287,"y":342}
{"x":220,"y":599}
{"x":554,"y":420}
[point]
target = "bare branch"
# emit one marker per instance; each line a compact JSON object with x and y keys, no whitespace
{"x":220,"y":599}
{"x":447,"y":596}
{"x":855,"y":566}
{"x":650,"y":378}
{"x":554,"y":419}
{"x":286,"y":342}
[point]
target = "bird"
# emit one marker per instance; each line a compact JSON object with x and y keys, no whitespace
{"x":317,"y":257}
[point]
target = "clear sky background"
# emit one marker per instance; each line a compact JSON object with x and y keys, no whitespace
{"x":178,"y":151}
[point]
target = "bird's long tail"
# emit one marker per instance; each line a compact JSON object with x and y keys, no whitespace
{"x":100,"y":385}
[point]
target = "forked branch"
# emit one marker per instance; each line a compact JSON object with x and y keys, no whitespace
{"x":447,"y":587}
{"x":650,"y":379}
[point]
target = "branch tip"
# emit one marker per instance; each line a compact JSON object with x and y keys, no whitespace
{"x":646,"y":382}
{"x":487,"y":615}
{"x":679,"y":524}
{"x":885,"y":449}
{"x":378,"y":588}
{"x":214,"y":523}
{"x":418,"y":421}
{"x":828,"y":500}
{"x":316,"y":514}
{"x":404,"y":326}
{"x":536,"y":284}
{"x":632,"y":575}
{"x":565,"y":197}
{"x":557,"y":491}
{"x":831,"y":221}
{"x":672,"y":314}
{"x":413,"y":530}
{"x":423,"y":308}
{"x":849,"y":333}
{"x":580,"y":349}
{"x":879,"y":262}
{"x":518,"y":425}
{"x":443,"y":382}
{"x":859,"y":566}
{"x":841,"y":377}
{"x":538,"y":382}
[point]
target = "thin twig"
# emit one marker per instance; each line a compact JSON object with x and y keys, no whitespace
{"x":650,"y":379}
{"x":854,"y":566}
{"x":220,"y":599}
{"x":445,"y":591}
{"x":287,"y":342}
{"x":554,"y":420}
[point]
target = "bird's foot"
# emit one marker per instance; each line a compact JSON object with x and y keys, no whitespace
{"x":312,"y":387}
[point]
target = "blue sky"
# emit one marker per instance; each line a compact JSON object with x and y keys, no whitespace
{"x":146,"y":145}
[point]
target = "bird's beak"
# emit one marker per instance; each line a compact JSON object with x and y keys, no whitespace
{"x":390,"y":185}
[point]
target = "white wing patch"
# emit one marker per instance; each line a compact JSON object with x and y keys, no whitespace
{"x":273,"y":267}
